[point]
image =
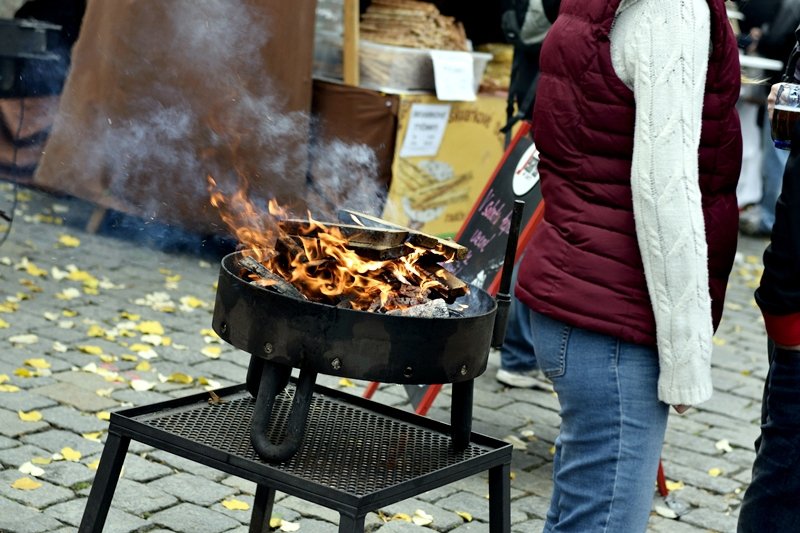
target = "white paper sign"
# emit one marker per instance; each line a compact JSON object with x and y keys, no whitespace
{"x":454,"y":75}
{"x":426,"y":125}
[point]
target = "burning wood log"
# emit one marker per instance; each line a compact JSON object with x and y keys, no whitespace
{"x":272,"y":281}
{"x":354,"y":234}
{"x":454,"y":286}
{"x":424,"y":240}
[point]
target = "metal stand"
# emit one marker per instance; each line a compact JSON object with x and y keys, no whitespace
{"x":357,"y":456}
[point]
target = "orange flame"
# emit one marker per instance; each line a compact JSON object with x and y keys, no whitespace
{"x":320,"y":264}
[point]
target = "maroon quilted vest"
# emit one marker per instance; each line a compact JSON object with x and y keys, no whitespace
{"x":583,"y":265}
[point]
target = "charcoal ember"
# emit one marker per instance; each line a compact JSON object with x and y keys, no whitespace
{"x":430,"y":309}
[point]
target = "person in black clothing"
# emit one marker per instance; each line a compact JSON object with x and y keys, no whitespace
{"x":770,"y":502}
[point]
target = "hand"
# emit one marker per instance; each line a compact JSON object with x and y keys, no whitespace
{"x":680,"y":409}
{"x":773,"y":95}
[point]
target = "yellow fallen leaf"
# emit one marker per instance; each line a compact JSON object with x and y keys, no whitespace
{"x":71,"y":455}
{"x":96,"y":331}
{"x":4,"y":324}
{"x":236,"y":505}
{"x":93,"y":436}
{"x":103,"y":415}
{"x":275,"y":522}
{"x":344,"y":382}
{"x":465,"y":516}
{"x":4,"y":378}
{"x":150,"y":326}
{"x":30,"y":416}
{"x":8,"y":307}
{"x":715,"y":472}
{"x":104,"y":393}
{"x":192,"y":302}
{"x":34,"y":270}
{"x":104,"y":357}
{"x":90,"y":349}
{"x":211,"y":351}
{"x":69,"y":241}
{"x":208,"y":332}
{"x":674,"y":485}
{"x":143,"y":366}
{"x":9,"y":388}
{"x":37,"y":363}
{"x":59,"y":347}
{"x":209,"y":383}
{"x":25,"y":373}
{"x":69,"y":313}
{"x":552,"y":450}
{"x":718,"y":341}
{"x":128,"y":357}
{"x":403,"y":517}
{"x":174,"y":278}
{"x":41,"y":460}
{"x":94,"y":465}
{"x":723,"y":445}
{"x":25,"y":483}
{"x":178,"y":377}
{"x":140,"y":347}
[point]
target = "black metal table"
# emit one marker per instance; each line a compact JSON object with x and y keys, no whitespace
{"x":357,"y":455}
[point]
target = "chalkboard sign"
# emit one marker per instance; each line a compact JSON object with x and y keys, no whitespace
{"x":485,"y":231}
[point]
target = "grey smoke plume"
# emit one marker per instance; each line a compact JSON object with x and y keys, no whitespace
{"x":173,"y":138}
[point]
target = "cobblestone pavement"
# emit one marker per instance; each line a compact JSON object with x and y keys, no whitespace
{"x":90,"y":323}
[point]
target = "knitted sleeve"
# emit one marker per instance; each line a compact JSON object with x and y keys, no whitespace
{"x":660,"y":49}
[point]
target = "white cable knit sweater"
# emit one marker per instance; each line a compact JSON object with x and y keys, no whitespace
{"x":660,"y":50}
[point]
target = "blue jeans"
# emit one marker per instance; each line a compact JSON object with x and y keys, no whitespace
{"x":772,"y":167}
{"x":770,"y":502}
{"x":612,"y":428}
{"x":517,"y":353}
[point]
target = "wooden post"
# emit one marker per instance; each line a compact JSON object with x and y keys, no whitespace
{"x":350,"y":42}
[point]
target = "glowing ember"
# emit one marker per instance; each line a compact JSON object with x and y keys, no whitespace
{"x":325,"y":266}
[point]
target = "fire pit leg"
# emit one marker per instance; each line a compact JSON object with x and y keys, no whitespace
{"x":262,"y":509}
{"x":461,"y":414}
{"x":273,"y":380}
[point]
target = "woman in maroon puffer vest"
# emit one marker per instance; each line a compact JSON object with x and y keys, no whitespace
{"x":640,"y":154}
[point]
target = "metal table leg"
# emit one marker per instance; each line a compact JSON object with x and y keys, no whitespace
{"x":105,"y":483}
{"x":500,"y":499}
{"x":262,"y":509}
{"x":351,"y":524}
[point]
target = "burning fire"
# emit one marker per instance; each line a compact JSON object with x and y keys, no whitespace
{"x":322,"y":264}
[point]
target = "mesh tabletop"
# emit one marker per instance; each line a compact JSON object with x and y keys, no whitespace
{"x":350,"y":445}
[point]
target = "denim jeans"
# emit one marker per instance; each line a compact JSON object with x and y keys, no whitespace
{"x":612,"y":428}
{"x":772,"y":167}
{"x":517,"y":354}
{"x":771,"y":501}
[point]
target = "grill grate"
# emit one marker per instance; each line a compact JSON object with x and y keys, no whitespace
{"x":345,"y":447}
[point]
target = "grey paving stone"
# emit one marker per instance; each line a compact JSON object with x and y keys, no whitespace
{"x":222,"y":369}
{"x":42,"y":497}
{"x":70,"y":419}
{"x":139,"y":498}
{"x":12,"y":426}
{"x":117,"y":522}
{"x":14,"y":457}
{"x":25,"y":401}
{"x":306,"y":508}
{"x":55,"y":440}
{"x":82,"y":399}
{"x":193,"y":488}
{"x":17,"y":518}
{"x":241,"y":485}
{"x":477,"y":506}
{"x":710,"y":520}
{"x":189,"y":518}
{"x":6,"y":442}
{"x":67,"y":474}
{"x":400,"y":526}
{"x":137,"y":468}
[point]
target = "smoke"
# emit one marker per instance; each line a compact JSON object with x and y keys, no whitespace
{"x":198,"y":101}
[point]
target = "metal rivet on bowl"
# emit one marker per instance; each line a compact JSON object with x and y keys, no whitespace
{"x":408,"y":371}
{"x":336,"y":364}
{"x":463,"y":370}
{"x":268,"y":347}
{"x":223,"y":327}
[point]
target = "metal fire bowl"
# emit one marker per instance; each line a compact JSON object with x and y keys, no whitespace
{"x":353,"y":344}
